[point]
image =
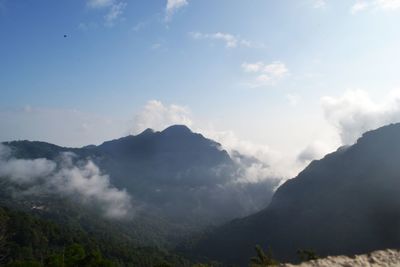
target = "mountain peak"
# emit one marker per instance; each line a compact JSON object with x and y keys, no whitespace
{"x":147,"y":132}
{"x":177,"y":130}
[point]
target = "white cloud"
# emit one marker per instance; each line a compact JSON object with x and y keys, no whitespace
{"x":361,"y":5}
{"x":272,"y":163}
{"x":115,"y":10}
{"x":319,"y":3}
{"x":82,"y":180}
{"x":276,"y":69}
{"x":21,"y":170}
{"x":99,"y":3}
{"x":388,"y":4}
{"x":252,"y":67}
{"x":355,"y":112}
{"x":173,"y":6}
{"x":114,"y":13}
{"x":157,"y":116}
{"x":230,"y":40}
{"x":315,"y":150}
{"x":86,"y":181}
{"x":267,"y":74}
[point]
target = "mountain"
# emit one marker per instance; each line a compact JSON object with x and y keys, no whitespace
{"x":178,"y":183}
{"x":346,"y":203}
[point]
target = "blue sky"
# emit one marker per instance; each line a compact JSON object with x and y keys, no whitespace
{"x":278,"y":74}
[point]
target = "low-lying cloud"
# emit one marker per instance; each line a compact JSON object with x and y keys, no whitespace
{"x":81,"y":179}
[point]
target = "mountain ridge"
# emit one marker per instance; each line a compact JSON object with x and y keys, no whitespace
{"x":346,"y":203}
{"x":175,"y":176}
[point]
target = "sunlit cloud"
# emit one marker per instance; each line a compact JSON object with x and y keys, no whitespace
{"x":230,"y":40}
{"x":114,"y":8}
{"x":361,"y":5}
{"x":266,"y":74}
{"x":356,"y":112}
{"x":173,"y":6}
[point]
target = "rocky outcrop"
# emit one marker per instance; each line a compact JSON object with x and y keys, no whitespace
{"x":387,"y":258}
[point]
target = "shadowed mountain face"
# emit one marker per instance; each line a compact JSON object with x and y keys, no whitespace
{"x":346,"y":203}
{"x":178,"y":180}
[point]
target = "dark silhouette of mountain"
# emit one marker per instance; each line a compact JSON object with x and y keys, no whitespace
{"x":180,"y":182}
{"x":346,"y":203}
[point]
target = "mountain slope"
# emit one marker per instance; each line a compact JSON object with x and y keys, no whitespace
{"x":346,"y":203}
{"x":28,"y":240}
{"x":179,"y":183}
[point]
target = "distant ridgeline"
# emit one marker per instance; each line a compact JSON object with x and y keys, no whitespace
{"x":346,"y":203}
{"x":154,"y":189}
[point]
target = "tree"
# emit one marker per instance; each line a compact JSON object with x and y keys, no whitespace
{"x":307,"y":255}
{"x":74,"y":254}
{"x":3,"y":237}
{"x":262,"y":259}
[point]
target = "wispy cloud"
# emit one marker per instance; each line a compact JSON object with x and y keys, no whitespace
{"x":114,"y":13}
{"x":361,"y":5}
{"x":115,"y":9}
{"x":100,"y":3}
{"x":173,"y":6}
{"x":319,"y":4}
{"x":388,"y":4}
{"x":266,"y":74}
{"x":230,"y":40}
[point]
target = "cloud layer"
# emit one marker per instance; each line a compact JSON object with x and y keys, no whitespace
{"x":79,"y":180}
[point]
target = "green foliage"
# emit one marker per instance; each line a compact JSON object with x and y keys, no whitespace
{"x":307,"y":255}
{"x":262,"y":259}
{"x":3,"y":236}
{"x":34,"y":242}
{"x":19,"y":263}
{"x":74,"y":255}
